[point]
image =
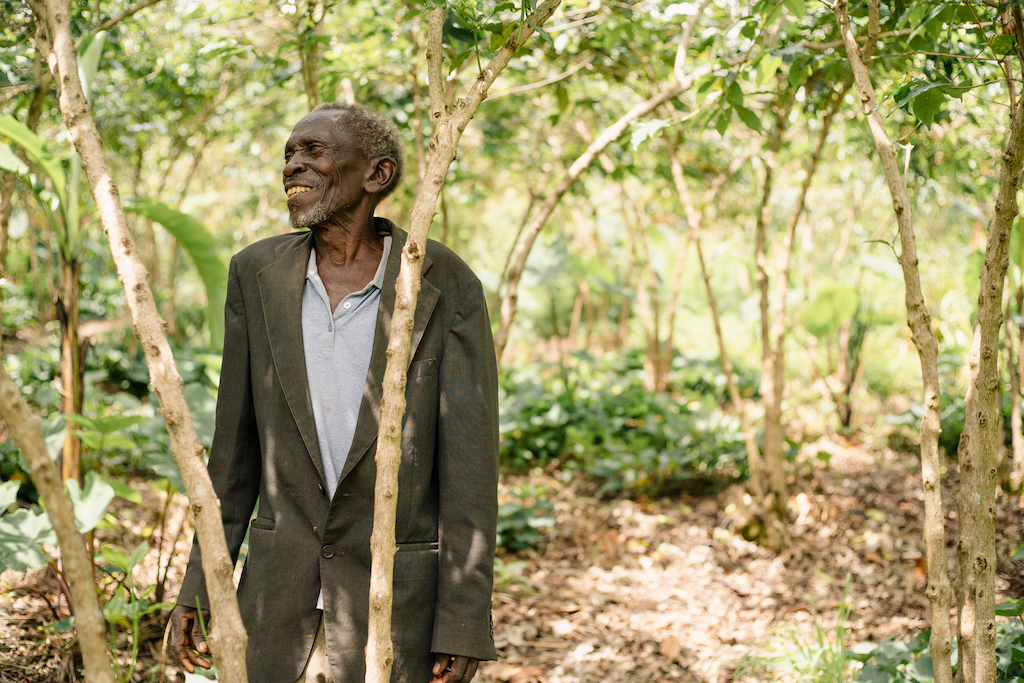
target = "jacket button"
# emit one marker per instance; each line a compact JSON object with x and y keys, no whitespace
{"x":327,"y":552}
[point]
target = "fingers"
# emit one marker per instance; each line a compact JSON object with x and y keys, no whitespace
{"x":441,"y":663}
{"x":459,"y":669}
{"x":198,"y":639}
{"x":184,"y":626}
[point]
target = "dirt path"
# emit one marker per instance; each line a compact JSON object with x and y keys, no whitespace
{"x":667,"y":591}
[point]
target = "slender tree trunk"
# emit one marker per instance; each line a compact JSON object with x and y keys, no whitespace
{"x":228,"y":637}
{"x":448,"y":127}
{"x":771,"y":393}
{"x":938,"y":590}
{"x":72,"y":366}
{"x":983,"y":423}
{"x":694,"y":218}
{"x":89,"y":622}
{"x":1017,"y":472}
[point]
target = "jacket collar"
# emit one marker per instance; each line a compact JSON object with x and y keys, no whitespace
{"x":281,"y":284}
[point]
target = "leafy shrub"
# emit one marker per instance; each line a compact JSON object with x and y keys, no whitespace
{"x":520,"y":520}
{"x":594,"y":415}
{"x":892,"y":661}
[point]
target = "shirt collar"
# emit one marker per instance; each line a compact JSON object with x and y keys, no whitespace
{"x":378,"y":278}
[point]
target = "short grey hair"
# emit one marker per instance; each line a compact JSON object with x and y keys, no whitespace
{"x":376,"y":135}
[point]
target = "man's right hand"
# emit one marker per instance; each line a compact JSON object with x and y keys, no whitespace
{"x":187,"y":640}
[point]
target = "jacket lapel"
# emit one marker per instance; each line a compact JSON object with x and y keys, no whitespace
{"x":368,"y":421}
{"x":281,"y":285}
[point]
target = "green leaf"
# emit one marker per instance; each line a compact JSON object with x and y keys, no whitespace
{"x":21,"y":534}
{"x":1018,"y":554}
{"x":89,"y":61}
{"x":922,"y":668}
{"x":1010,"y":609}
{"x":125,"y":492}
{"x":62,"y":626}
{"x":115,"y":610}
{"x":202,"y":248}
{"x":749,"y":118}
{"x":36,"y":149}
{"x":834,"y":305}
{"x":136,"y":555}
{"x":107,"y":424}
{"x":1003,"y":44}
{"x":796,"y":7}
{"x":10,"y":162}
{"x":735,"y":95}
{"x":116,"y":557}
{"x":872,"y":673}
{"x":722,"y":122}
{"x":91,"y":502}
{"x":8,"y":494}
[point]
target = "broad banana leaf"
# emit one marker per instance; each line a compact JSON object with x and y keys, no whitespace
{"x":202,"y":248}
{"x":36,"y":149}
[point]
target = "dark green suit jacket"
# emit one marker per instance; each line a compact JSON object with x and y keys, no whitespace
{"x":265,"y":446}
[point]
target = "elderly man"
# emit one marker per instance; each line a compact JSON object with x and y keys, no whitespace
{"x":307,"y":321}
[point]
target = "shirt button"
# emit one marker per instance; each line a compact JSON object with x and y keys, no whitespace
{"x":328,"y":328}
{"x":327,"y":552}
{"x":348,"y":304}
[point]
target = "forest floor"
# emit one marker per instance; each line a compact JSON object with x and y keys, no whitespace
{"x":626,"y":591}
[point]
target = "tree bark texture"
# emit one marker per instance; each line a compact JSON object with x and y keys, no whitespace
{"x":227,"y":637}
{"x":771,"y":380}
{"x":72,"y":366}
{"x":918,"y":318}
{"x":89,"y":622}
{"x":449,"y":125}
{"x":983,"y":420}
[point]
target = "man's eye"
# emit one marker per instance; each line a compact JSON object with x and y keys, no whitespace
{"x":287,"y":156}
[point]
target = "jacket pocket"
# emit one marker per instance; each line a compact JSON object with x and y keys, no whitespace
{"x":412,"y":547}
{"x":423,"y":368}
{"x":263,"y":523}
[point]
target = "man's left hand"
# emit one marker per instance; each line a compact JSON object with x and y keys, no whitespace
{"x":452,"y":669}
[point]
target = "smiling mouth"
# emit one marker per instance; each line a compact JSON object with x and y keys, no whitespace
{"x":298,"y":189}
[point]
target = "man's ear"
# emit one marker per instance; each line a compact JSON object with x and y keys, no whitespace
{"x":383,"y":175}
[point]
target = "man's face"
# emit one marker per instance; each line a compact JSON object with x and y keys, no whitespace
{"x":324,"y":170}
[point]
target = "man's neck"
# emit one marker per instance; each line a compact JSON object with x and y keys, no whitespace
{"x":342,"y":242}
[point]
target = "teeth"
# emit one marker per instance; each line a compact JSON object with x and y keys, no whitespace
{"x":298,"y":189}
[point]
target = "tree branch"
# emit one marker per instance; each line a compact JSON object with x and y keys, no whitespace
{"x":111,"y":23}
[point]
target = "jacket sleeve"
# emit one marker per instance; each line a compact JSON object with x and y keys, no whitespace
{"x":467,"y":467}
{"x":235,"y":463}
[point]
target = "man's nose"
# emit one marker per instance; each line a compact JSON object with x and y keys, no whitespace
{"x":292,"y":166}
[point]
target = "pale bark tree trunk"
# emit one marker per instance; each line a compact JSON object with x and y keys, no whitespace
{"x":771,"y":390}
{"x":449,"y":123}
{"x":774,"y":367}
{"x":983,"y":422}
{"x":227,"y":636}
{"x":609,"y":135}
{"x":89,"y":622}
{"x":918,"y":318}
{"x":694,"y":219}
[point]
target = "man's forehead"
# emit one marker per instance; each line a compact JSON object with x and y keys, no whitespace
{"x":319,"y":124}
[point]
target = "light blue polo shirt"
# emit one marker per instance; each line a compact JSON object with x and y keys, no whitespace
{"x":337,"y":347}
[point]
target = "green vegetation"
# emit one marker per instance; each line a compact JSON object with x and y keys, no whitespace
{"x":678,"y":214}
